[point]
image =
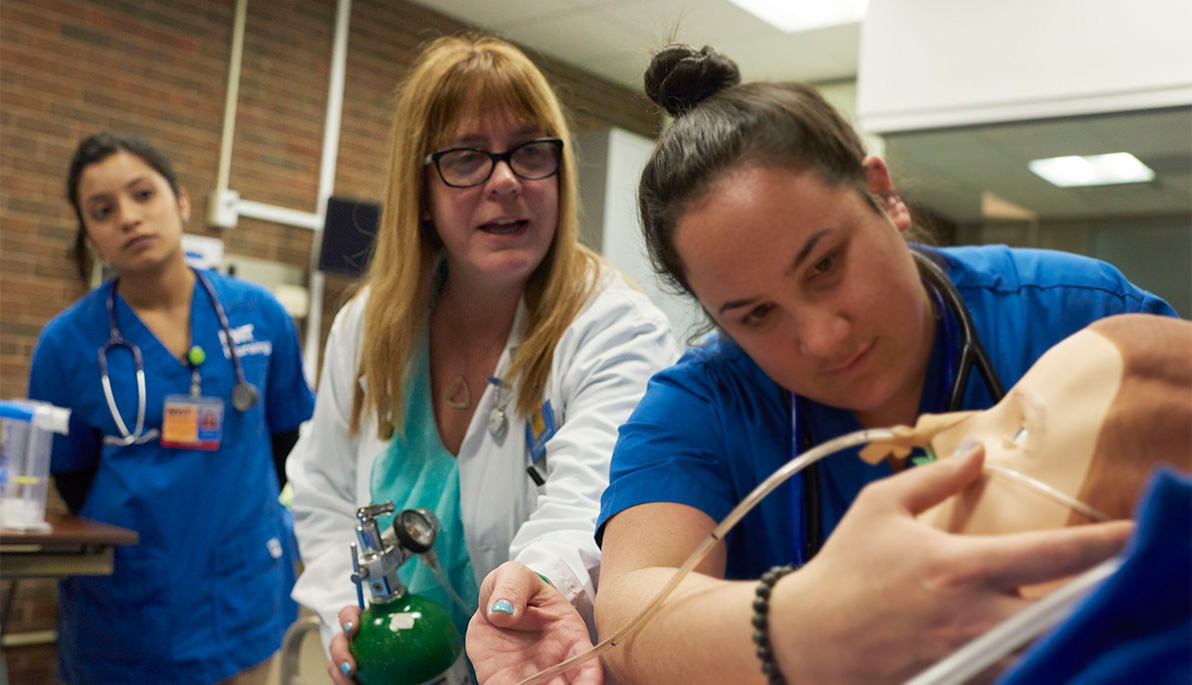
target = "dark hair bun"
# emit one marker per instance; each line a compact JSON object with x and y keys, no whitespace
{"x":680,"y":77}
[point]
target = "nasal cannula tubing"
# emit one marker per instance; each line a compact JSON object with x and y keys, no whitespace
{"x":759,"y":493}
{"x":1050,"y":492}
{"x":432,"y":562}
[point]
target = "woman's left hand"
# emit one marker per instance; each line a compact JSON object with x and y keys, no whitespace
{"x":523,"y":626}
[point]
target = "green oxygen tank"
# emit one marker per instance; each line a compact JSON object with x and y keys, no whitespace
{"x":403,"y":638}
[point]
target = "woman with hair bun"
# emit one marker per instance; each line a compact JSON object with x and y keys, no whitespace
{"x":761,"y":203}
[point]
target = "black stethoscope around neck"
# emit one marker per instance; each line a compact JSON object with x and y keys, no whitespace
{"x":244,"y":394}
{"x":971,"y":355}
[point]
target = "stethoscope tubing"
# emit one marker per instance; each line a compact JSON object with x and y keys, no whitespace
{"x":972,"y":352}
{"x":225,"y":326}
{"x":115,"y":339}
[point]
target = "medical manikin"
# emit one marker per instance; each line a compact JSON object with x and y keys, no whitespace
{"x":1075,"y":440}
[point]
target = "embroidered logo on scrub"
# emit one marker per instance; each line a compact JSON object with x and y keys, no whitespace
{"x":246,"y":345}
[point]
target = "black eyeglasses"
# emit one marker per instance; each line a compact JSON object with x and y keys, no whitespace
{"x":464,"y":167}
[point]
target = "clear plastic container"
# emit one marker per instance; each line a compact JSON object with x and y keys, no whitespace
{"x":25,"y":461}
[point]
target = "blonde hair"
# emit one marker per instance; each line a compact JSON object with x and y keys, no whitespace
{"x":454,"y":77}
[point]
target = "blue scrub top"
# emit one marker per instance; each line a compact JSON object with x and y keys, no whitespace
{"x":205,"y":592}
{"x":714,"y":426}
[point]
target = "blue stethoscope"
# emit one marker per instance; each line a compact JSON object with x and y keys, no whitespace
{"x":244,"y":394}
{"x":957,"y":366}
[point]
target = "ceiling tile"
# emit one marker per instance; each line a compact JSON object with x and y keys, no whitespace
{"x":626,"y":69}
{"x":1147,"y":133}
{"x":1043,"y":139}
{"x":497,"y":15}
{"x":697,"y":23}
{"x":576,"y":39}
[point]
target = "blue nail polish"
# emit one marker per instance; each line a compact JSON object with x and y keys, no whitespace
{"x":965,"y":448}
{"x":503,"y":606}
{"x":348,"y":627}
{"x":345,"y":668}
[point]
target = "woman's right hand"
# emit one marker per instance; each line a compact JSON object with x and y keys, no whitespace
{"x":888,"y":596}
{"x":343,"y":667}
{"x":529,"y":627}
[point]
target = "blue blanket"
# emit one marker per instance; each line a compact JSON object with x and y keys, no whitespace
{"x":1136,"y":627}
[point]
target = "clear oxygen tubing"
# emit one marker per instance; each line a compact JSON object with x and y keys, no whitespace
{"x":1049,"y":492}
{"x":759,"y":493}
{"x":432,"y":562}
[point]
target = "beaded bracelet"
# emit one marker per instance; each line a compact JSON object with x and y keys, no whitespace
{"x":761,"y":623}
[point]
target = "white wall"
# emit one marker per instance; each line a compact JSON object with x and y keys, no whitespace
{"x":932,"y":64}
{"x":611,"y":164}
{"x":843,"y":96}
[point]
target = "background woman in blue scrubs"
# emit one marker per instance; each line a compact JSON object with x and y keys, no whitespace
{"x":761,"y":202}
{"x":204,"y":595}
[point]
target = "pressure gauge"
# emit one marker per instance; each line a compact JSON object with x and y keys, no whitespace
{"x":416,"y":529}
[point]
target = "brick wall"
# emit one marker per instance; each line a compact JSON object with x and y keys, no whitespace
{"x":69,"y":68}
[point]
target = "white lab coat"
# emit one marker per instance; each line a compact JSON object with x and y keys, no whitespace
{"x":599,"y":373}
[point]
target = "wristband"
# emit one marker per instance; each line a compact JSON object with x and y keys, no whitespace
{"x":544,"y":579}
{"x":761,"y":623}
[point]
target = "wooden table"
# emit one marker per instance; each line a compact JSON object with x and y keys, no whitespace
{"x":72,"y":547}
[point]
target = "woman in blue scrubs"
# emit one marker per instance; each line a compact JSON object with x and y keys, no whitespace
{"x":186,"y":457}
{"x":761,"y":202}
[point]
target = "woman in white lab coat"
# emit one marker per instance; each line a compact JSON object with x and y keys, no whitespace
{"x":482,"y":321}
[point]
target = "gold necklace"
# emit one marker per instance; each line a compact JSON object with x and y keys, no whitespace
{"x":459,"y":395}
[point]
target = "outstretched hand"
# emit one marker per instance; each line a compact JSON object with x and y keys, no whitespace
{"x":523,"y":626}
{"x":884,"y":576}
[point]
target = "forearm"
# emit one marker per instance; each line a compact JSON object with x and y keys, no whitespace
{"x":570,"y":566}
{"x":703,"y":633}
{"x":324,"y":526}
{"x":74,"y":485}
{"x":282,"y":443}
{"x":322,"y":474}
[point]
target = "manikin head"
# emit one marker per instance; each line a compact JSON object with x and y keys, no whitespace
{"x":1092,"y":419}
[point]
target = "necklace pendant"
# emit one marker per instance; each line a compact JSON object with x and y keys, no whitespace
{"x":459,"y":395}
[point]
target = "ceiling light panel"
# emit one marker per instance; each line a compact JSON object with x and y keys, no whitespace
{"x":791,"y":16}
{"x":1092,"y":170}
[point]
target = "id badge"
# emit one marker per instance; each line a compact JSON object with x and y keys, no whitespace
{"x":539,"y":428}
{"x":194,"y":423}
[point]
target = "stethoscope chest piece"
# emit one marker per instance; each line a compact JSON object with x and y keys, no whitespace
{"x":244,"y":396}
